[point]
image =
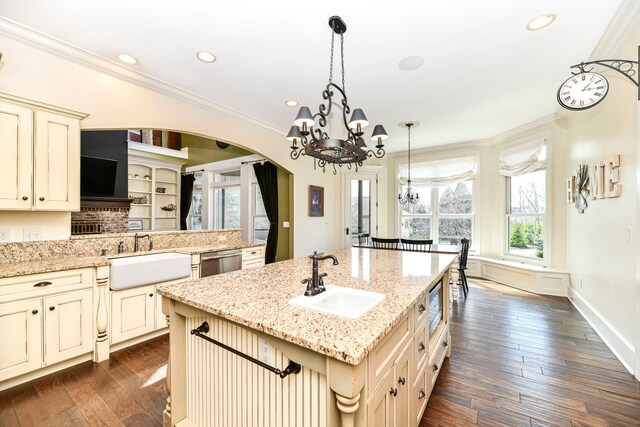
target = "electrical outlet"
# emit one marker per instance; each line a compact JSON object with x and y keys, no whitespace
{"x":285,"y":224}
{"x":29,"y":234}
{"x":629,"y":234}
{"x":222,"y":238}
{"x":5,"y":235}
{"x":265,"y":352}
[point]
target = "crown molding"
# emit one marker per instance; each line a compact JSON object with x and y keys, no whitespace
{"x":622,"y":23}
{"x":84,"y":58}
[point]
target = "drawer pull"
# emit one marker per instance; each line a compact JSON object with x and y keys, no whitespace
{"x":444,"y":343}
{"x":421,"y":394}
{"x":41,"y":199}
{"x":41,"y":284}
{"x":421,"y":346}
{"x":421,"y":308}
{"x":401,"y":380}
{"x":435,"y":367}
{"x":393,"y":391}
{"x":25,"y":198}
{"x":34,"y":311}
{"x":253,"y":252}
{"x":53,"y":307}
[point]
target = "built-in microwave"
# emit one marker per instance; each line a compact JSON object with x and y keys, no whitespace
{"x":436,"y":310}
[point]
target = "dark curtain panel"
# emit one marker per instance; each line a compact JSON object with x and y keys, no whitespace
{"x":267,"y":176}
{"x":186,"y":194}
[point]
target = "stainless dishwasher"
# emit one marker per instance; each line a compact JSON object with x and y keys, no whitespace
{"x":220,"y":262}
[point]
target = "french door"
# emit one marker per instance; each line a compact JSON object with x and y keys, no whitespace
{"x":360,"y":206}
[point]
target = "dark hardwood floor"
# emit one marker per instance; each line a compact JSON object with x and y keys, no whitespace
{"x":527,"y":360}
{"x":518,"y":360}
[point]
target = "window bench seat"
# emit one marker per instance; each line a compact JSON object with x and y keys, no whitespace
{"x":530,"y":278}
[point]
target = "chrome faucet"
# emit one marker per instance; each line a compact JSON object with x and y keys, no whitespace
{"x":136,"y":244}
{"x":315,"y":284}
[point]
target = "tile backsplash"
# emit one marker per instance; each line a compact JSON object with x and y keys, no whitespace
{"x":92,"y":245}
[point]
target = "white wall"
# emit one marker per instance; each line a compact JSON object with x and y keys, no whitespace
{"x":602,"y":263}
{"x":115,"y":103}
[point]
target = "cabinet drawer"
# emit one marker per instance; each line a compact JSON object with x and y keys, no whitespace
{"x":421,"y":310}
{"x":384,"y":354}
{"x":420,"y":394}
{"x":437,"y":358}
{"x":252,"y":253}
{"x":34,"y":285}
{"x":254,"y":263}
{"x":420,"y":346}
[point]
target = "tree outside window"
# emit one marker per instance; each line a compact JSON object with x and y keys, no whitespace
{"x":526,"y":214}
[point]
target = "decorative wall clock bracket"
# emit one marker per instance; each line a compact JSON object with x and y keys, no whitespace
{"x":627,"y":68}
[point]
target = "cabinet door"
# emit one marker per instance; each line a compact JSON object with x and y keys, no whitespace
{"x":132,"y":313}
{"x":380,"y":407}
{"x":16,"y":161}
{"x":68,"y":326}
{"x":403,"y":383}
{"x":57,"y":162}
{"x":20,"y":338}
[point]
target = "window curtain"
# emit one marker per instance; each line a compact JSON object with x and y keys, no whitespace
{"x":267,"y":177}
{"x":438,"y":173}
{"x":521,"y":158}
{"x":186,"y":194}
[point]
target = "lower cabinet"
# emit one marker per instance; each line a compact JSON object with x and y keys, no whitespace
{"x":133,"y":313}
{"x":253,"y":257}
{"x":43,"y":331}
{"x":380,"y":407}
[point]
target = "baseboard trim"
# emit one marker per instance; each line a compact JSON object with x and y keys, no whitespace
{"x":620,"y":348}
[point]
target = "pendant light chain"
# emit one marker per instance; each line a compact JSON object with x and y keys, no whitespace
{"x":409,"y":160}
{"x":331,"y":61}
{"x":342,"y":60}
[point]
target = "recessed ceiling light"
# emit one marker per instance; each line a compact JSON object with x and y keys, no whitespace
{"x":411,"y":63}
{"x":291,"y":102}
{"x":541,"y":21}
{"x":205,"y":56}
{"x":128,"y":59}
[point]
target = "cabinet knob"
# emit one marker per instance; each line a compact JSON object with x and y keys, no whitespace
{"x":421,"y":346}
{"x":25,"y":198}
{"x":150,"y":295}
{"x":52,"y":308}
{"x":421,"y":308}
{"x":401,"y":380}
{"x":421,"y":394}
{"x":393,"y":391}
{"x":41,"y":199}
{"x":444,"y":343}
{"x":34,"y":311}
{"x":435,"y":367}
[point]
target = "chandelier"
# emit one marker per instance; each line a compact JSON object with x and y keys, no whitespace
{"x":410,"y":196}
{"x":308,"y":140}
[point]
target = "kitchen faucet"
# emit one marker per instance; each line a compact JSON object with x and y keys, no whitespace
{"x":315,"y":284}
{"x":136,"y":244}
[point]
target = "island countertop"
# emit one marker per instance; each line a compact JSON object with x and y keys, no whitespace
{"x":259,"y":298}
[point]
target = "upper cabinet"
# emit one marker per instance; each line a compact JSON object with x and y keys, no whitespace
{"x":40,"y":163}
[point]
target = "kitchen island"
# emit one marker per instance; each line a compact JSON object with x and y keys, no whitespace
{"x":374,"y":370}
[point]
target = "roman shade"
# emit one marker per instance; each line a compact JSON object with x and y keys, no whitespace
{"x":522,"y":157}
{"x":436,"y":173}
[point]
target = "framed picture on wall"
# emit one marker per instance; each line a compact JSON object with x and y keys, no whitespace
{"x":316,"y":201}
{"x":135,"y":224}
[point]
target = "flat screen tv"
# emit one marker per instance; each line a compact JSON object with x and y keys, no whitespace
{"x":97,"y":176}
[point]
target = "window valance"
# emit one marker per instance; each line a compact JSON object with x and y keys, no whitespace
{"x":521,"y":158}
{"x":439,"y":172}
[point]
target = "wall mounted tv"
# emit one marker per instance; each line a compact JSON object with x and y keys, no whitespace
{"x":97,"y":176}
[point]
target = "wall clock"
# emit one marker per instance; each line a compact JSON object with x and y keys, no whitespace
{"x":583,"y":91}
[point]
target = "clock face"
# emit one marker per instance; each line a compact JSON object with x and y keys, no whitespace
{"x":583,"y":91}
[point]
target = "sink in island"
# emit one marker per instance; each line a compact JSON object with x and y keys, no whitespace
{"x":376,"y":370}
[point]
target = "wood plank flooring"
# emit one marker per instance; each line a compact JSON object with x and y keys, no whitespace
{"x":517,"y":360}
{"x":527,"y":360}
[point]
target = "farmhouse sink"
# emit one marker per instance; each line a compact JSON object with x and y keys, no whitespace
{"x":340,"y":301}
{"x":133,"y":271}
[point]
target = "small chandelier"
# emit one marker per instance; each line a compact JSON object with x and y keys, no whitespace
{"x":315,"y":142}
{"x":410,"y":196}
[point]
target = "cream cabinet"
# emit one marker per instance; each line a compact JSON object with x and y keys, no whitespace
{"x":40,"y":165}
{"x":253,"y":257}
{"x":45,"y":319}
{"x":133,"y":313}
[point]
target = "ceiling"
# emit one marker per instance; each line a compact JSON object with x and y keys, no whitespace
{"x":484,"y":73}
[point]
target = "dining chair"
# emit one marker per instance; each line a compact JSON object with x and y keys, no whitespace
{"x":462,"y":266}
{"x":363,"y":238}
{"x":379,"y":243}
{"x":422,"y":245}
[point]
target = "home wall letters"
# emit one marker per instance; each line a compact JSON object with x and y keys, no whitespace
{"x":604,"y":180}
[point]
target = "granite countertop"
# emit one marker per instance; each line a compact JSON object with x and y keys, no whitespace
{"x":258,"y":298}
{"x":73,"y":262}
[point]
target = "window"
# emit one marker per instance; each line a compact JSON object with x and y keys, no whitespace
{"x":226,"y":199}
{"x":526,"y":214}
{"x":260,"y":221}
{"x":449,"y":223}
